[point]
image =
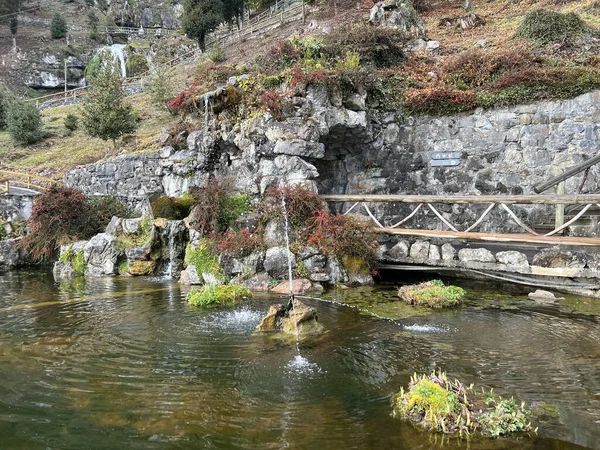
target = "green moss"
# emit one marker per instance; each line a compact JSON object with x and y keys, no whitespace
{"x":172,"y":208}
{"x":78,"y":261}
{"x":204,"y":259}
{"x":433,"y":294}
{"x":123,"y":268}
{"x":301,"y":271}
{"x":211,"y":295}
{"x":136,"y":64}
{"x":67,"y":255}
{"x":439,"y":404}
{"x":139,"y":239}
{"x":544,"y":27}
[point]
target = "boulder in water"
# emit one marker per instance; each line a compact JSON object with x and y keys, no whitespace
{"x":302,"y":320}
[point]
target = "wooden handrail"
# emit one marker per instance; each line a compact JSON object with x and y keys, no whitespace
{"x":29,"y":176}
{"x":541,"y":187}
{"x":505,"y":199}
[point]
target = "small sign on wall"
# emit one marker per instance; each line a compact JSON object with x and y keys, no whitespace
{"x":445,"y":159}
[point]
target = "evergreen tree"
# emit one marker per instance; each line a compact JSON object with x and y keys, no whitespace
{"x":8,"y":14}
{"x":104,"y":113}
{"x":24,"y":122}
{"x":58,"y":27}
{"x":233,"y":10}
{"x":201,"y":17}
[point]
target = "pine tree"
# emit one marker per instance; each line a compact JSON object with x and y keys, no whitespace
{"x":104,"y":114}
{"x":58,"y":27}
{"x":24,"y":122}
{"x":233,"y":10}
{"x":201,"y":17}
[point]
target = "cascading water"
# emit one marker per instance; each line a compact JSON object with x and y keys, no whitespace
{"x":169,"y":269}
{"x":118,"y":54}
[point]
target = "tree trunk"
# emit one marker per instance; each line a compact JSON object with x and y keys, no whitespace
{"x":202,"y":42}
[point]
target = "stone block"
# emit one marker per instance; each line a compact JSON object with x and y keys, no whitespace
{"x":397,"y":252}
{"x":420,"y":250}
{"x":276,"y":262}
{"x":476,"y":255}
{"x":434,"y":253}
{"x":553,"y":258}
{"x":513,"y":259}
{"x":448,"y":252}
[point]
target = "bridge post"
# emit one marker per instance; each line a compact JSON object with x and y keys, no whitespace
{"x":559,"y":221}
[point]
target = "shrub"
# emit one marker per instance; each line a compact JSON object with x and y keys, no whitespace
{"x":439,"y":100}
{"x":232,"y":207}
{"x":4,"y":108}
{"x":58,"y":216}
{"x":433,"y":294}
{"x":136,"y":64}
{"x":217,"y":54}
{"x":437,"y":403}
{"x":338,"y":236}
{"x":160,"y":86}
{"x":544,"y":27}
{"x":215,"y":211}
{"x":172,"y":208}
{"x":24,"y":122}
{"x":71,"y":122}
{"x":211,"y":295}
{"x":239,"y":244}
{"x":58,"y":27}
{"x":301,"y":204}
{"x":204,"y":259}
{"x":76,"y":258}
{"x":105,"y":208}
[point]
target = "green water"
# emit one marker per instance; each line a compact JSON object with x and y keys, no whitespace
{"x":125,"y":364}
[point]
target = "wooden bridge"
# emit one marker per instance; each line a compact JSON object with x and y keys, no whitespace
{"x":33,"y":183}
{"x":502,"y":202}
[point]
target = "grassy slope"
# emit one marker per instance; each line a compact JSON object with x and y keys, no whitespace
{"x":58,"y":153}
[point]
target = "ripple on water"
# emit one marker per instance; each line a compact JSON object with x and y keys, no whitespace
{"x":240,"y":319}
{"x":426,"y":329}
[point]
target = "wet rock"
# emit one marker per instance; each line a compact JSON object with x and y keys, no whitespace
{"x":420,"y":250}
{"x":476,"y":255}
{"x":189,"y":276}
{"x":273,"y":321}
{"x":513,"y":259}
{"x":211,"y":279}
{"x":448,"y":252}
{"x":337,"y":273}
{"x":132,"y":226}
{"x":302,"y":320}
{"x":274,"y":234}
{"x":247,"y":266}
{"x":63,"y":271}
{"x":141,"y":268}
{"x":11,"y":256}
{"x":553,"y":258}
{"x":101,"y":254}
{"x":276,"y":262}
{"x":398,"y":252}
{"x":544,"y":297}
{"x":249,"y":222}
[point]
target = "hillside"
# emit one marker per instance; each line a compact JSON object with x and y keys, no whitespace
{"x":489,"y":63}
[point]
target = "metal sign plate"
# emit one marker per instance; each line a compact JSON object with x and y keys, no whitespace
{"x":445,"y":162}
{"x":446,"y":155}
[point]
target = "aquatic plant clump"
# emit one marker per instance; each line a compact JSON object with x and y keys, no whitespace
{"x":433,"y":294}
{"x":439,"y":404}
{"x":211,"y":295}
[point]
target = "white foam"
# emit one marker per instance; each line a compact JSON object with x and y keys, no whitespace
{"x":300,"y":365}
{"x":425,"y":329}
{"x":235,"y":319}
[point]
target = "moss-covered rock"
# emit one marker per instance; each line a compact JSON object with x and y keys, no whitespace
{"x":301,"y":321}
{"x":433,"y":294}
{"x":140,"y":268}
{"x":211,"y":295}
{"x":437,"y":403}
{"x":545,"y":26}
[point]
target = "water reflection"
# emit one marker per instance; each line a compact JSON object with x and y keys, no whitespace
{"x":125,"y":363}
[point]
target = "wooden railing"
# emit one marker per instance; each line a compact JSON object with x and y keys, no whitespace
{"x":493,"y":201}
{"x":24,"y":180}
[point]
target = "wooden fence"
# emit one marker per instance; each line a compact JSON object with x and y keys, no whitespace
{"x":24,"y":180}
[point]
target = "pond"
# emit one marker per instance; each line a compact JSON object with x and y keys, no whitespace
{"x":124,"y":363}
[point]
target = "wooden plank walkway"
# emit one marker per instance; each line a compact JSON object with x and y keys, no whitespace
{"x":492,"y":237}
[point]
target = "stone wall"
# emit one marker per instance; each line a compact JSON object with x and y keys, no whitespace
{"x":15,"y":208}
{"x":333,"y":142}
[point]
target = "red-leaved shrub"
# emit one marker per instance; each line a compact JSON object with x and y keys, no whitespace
{"x":301,"y":204}
{"x":239,"y":244}
{"x":59,"y":216}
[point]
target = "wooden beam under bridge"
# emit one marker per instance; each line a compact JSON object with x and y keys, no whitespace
{"x":499,"y":199}
{"x":492,"y":237}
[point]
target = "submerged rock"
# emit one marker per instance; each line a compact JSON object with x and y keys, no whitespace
{"x":544,"y":297}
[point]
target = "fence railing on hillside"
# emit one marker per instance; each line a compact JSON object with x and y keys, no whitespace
{"x":24,"y":180}
{"x":426,"y":202}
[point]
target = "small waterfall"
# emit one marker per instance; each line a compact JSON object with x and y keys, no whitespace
{"x":116,"y":51}
{"x":169,"y":269}
{"x":209,"y":114}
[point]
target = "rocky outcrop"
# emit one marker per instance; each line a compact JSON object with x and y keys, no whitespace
{"x":101,"y":255}
{"x":12,"y":256}
{"x":301,"y":320}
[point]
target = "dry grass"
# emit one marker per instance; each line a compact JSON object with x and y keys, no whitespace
{"x":59,"y":153}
